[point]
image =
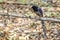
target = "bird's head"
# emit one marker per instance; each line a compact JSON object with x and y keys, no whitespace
{"x":35,"y":8}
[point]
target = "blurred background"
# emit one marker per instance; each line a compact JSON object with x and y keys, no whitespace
{"x":13,"y":27}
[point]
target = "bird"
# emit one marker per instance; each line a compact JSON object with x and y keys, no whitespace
{"x":38,"y":10}
{"x":40,"y":13}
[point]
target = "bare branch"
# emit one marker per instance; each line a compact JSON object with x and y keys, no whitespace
{"x":50,"y":19}
{"x":41,"y":18}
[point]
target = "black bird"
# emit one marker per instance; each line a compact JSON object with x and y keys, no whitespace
{"x":40,"y":13}
{"x":38,"y":10}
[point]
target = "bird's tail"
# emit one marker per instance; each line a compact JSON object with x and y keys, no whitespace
{"x":44,"y":29}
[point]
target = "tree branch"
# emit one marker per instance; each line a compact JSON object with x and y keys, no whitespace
{"x":41,"y":18}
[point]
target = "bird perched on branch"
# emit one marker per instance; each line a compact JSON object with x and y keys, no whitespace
{"x":38,"y":10}
{"x":40,"y":13}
